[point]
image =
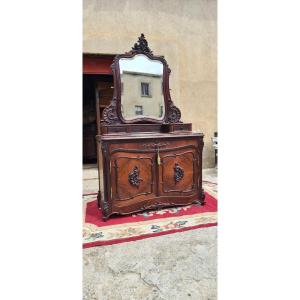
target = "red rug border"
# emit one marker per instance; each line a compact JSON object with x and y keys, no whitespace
{"x":141,"y":237}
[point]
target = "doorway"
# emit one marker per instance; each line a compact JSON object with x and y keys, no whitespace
{"x":97,"y":88}
{"x":93,"y":86}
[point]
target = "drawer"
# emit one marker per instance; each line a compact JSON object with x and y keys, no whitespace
{"x":145,"y":146}
{"x":176,"y":127}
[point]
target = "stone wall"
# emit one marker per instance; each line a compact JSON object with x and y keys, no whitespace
{"x":185,"y":32}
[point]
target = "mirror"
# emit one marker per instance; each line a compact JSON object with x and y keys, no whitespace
{"x":142,"y":92}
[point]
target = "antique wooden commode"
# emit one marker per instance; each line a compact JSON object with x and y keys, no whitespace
{"x":150,"y":158}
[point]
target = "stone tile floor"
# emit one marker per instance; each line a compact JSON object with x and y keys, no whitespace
{"x":177,"y":266}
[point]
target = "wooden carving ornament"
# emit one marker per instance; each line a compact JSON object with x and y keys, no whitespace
{"x":134,"y":178}
{"x":110,"y":113}
{"x":178,"y":173}
{"x":141,"y":45}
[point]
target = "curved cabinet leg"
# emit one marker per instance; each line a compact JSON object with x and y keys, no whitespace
{"x":105,"y":210}
{"x":105,"y":218}
{"x":105,"y":214}
{"x":202,"y":197}
{"x":99,"y":199}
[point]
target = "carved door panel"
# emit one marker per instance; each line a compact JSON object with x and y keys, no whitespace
{"x":179,"y":172}
{"x":134,"y":176}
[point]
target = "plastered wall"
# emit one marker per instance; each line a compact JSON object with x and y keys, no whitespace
{"x":184,"y":31}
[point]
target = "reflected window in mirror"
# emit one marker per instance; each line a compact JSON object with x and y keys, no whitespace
{"x":138,"y":110}
{"x":145,"y":89}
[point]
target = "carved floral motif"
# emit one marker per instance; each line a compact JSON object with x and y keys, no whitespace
{"x":178,"y":173}
{"x":134,"y":178}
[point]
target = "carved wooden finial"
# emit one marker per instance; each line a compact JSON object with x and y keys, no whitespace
{"x":141,"y":45}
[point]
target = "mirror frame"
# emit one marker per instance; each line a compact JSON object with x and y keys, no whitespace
{"x":112,"y":113}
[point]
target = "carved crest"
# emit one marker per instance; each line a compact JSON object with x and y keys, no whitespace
{"x":141,"y":45}
{"x":133,"y":177}
{"x":178,"y":173}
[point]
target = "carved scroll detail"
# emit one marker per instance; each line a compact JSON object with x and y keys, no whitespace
{"x":110,"y":113}
{"x":178,"y":173}
{"x":134,"y":178}
{"x":174,"y":114}
{"x":141,"y":45}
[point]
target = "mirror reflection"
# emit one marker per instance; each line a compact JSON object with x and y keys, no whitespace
{"x":141,"y":88}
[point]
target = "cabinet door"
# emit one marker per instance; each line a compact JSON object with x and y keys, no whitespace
{"x":179,"y":172}
{"x":133,"y":175}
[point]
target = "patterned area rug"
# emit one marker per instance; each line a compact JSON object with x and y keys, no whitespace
{"x":211,"y":188}
{"x":119,"y":229}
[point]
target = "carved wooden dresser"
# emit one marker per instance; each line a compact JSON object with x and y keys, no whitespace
{"x":150,"y":158}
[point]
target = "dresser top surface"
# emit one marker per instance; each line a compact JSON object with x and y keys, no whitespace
{"x":148,"y":135}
